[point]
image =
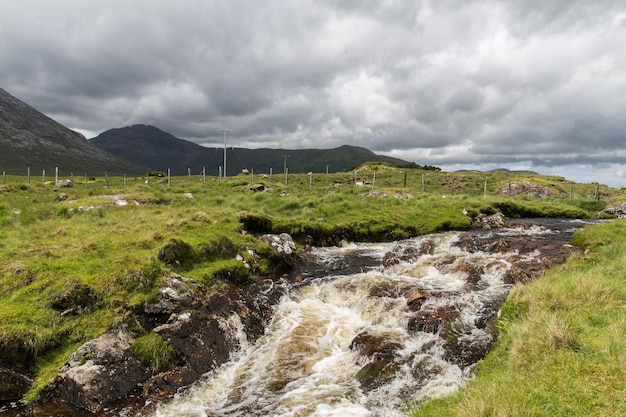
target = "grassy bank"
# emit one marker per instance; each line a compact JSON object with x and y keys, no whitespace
{"x":71,"y":269}
{"x":562,"y":345}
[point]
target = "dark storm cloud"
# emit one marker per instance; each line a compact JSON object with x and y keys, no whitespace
{"x":445,"y":82}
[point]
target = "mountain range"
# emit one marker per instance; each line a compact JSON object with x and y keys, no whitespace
{"x":30,"y":139}
{"x":158,"y":150}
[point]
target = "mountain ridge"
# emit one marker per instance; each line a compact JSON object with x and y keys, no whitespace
{"x":29,"y":138}
{"x":152,"y":147}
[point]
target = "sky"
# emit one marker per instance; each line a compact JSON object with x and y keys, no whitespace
{"x":534,"y":85}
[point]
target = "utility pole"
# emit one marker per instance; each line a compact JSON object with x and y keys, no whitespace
{"x":225,"y":131}
{"x":285,"y":167}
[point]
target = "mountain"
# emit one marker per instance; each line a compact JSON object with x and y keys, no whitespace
{"x":149,"y":146}
{"x":29,"y":138}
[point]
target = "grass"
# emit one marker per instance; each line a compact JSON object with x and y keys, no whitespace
{"x":561,"y":349}
{"x":72,"y":269}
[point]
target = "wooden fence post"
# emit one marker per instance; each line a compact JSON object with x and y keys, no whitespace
{"x":106,"y":175}
{"x":270,"y":175}
{"x":423,"y":182}
{"x":203,"y":175}
{"x":43,"y":176}
{"x":169,"y":178}
{"x":404,"y":179}
{"x":28,"y":174}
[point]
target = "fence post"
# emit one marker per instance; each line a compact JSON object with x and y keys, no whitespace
{"x":124,"y":180}
{"x":4,"y":177}
{"x":85,"y":180}
{"x":310,"y":180}
{"x":220,"y":173}
{"x":404,"y":179}
{"x":106,"y":175}
{"x":423,"y":182}
{"x":485,"y":189}
{"x":43,"y":176}
{"x":189,"y":174}
{"x":169,"y":178}
{"x":270,"y":175}
{"x":597,"y":193}
{"x":286,"y":176}
{"x":28,"y":174}
{"x":374,"y":181}
{"x":56,"y":176}
{"x":203,"y":175}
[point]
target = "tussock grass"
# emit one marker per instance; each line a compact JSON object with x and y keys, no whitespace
{"x":561,"y":350}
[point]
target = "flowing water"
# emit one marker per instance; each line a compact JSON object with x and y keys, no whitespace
{"x":349,"y":340}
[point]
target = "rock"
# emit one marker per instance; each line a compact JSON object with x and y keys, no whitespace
{"x":282,"y":242}
{"x":257,"y":187}
{"x":415,"y":297}
{"x":13,"y":385}
{"x":618,"y":210}
{"x":101,"y":372}
{"x":65,"y":183}
{"x":495,"y":221}
{"x":378,"y":353}
{"x":61,"y":197}
{"x":175,"y":296}
{"x":202,"y":344}
{"x":432,"y":322}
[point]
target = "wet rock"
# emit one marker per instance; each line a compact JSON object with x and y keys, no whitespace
{"x":415,"y":297}
{"x":378,"y":353}
{"x":101,"y":372}
{"x":202,"y":343}
{"x":433,"y":321}
{"x":13,"y":384}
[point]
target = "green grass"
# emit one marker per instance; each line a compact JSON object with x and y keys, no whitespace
{"x":561,"y":349}
{"x":110,"y":260}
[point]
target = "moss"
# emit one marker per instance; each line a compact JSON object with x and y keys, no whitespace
{"x":155,"y":352}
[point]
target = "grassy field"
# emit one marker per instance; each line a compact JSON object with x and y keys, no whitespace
{"x":108,"y":247}
{"x":562,"y":344}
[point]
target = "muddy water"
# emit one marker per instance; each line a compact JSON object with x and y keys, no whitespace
{"x":370,"y":328}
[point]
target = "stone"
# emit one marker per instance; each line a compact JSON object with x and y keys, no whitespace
{"x":282,"y":242}
{"x":495,"y":221}
{"x":13,"y":385}
{"x":415,"y":297}
{"x":257,"y":187}
{"x":101,"y":372}
{"x":65,"y":183}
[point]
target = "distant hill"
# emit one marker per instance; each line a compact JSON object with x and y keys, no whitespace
{"x":158,"y":150}
{"x":28,"y":138}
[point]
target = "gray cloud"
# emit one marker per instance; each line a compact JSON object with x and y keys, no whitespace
{"x":450,"y":82}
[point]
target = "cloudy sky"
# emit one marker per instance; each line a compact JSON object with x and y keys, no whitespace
{"x":461,"y":84}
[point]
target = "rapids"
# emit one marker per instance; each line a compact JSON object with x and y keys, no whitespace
{"x":350,"y":340}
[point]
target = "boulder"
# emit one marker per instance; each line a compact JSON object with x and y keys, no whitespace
{"x":379,"y":354}
{"x":495,"y":221}
{"x":282,"y":242}
{"x":257,"y":187}
{"x":175,"y":295}
{"x":65,"y":183}
{"x":618,"y":210}
{"x":415,"y":297}
{"x":101,"y":372}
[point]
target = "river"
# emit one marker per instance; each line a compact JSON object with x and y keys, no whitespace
{"x":370,"y":328}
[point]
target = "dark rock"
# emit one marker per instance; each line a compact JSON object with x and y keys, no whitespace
{"x":201,"y":343}
{"x":378,"y":353}
{"x":13,"y":384}
{"x":415,"y":297}
{"x":433,"y":321}
{"x":61,"y":197}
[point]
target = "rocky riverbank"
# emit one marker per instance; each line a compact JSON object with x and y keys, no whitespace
{"x":104,"y":377}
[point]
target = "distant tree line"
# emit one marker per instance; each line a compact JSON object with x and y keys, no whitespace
{"x":413,"y":165}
